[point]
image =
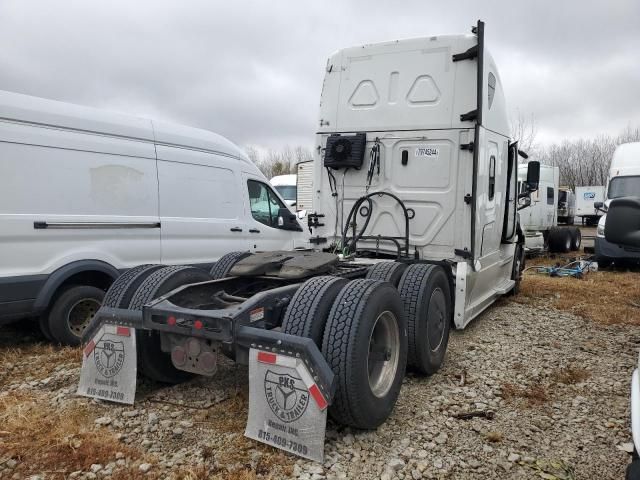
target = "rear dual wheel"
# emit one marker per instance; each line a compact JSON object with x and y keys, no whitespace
{"x":564,"y":239}
{"x":426,"y":295}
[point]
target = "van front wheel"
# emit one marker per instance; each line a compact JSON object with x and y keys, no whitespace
{"x":72,"y":312}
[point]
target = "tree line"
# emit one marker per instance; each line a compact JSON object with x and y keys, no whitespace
{"x":582,"y":162}
{"x":274,"y":162}
{"x":585,"y":161}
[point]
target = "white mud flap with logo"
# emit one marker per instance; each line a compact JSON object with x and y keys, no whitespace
{"x":109,"y":365}
{"x":286,"y":408}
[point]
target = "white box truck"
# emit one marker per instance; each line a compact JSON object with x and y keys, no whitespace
{"x":539,"y":220}
{"x":623,"y":181}
{"x":586,"y":197}
{"x":415,"y":232}
{"x":86,"y":194}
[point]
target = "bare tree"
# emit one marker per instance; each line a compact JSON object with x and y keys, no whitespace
{"x":585,"y":161}
{"x":279,"y":162}
{"x":523,"y":129}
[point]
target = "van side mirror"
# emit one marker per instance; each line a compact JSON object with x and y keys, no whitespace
{"x":288,"y":220}
{"x":533,"y":175}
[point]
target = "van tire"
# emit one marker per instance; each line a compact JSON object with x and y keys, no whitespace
{"x":387,"y":272}
{"x":152,"y":361}
{"x":358,"y":308}
{"x":576,"y":239}
{"x":426,"y":294}
{"x":72,"y":312}
{"x":306,"y":314}
{"x":43,"y":323}
{"x":120,"y":293}
{"x":223,"y":266}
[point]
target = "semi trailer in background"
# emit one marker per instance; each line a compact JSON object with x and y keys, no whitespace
{"x":539,"y":219}
{"x":586,"y":198}
{"x":413,"y":231}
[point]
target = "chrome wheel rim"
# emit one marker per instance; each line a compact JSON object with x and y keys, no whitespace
{"x":384,"y":353}
{"x":80,"y":314}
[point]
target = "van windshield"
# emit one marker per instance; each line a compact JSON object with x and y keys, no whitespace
{"x":624,"y":187}
{"x":288,"y":192}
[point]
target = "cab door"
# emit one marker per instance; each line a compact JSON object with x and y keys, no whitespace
{"x":262,"y":204}
{"x":511,"y":195}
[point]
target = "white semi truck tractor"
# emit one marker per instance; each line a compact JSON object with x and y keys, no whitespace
{"x":413,"y":231}
{"x":539,"y":220}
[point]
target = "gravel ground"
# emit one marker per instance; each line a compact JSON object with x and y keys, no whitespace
{"x":557,"y":384}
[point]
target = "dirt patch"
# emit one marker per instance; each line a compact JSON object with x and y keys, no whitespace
{"x":607,"y":297}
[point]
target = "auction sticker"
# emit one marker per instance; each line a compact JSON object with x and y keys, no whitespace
{"x":109,"y":365}
{"x":286,"y":408}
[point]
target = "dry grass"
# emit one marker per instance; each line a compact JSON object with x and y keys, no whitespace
{"x":28,"y":360}
{"x":535,"y":394}
{"x":605,"y":296}
{"x":55,"y":442}
{"x":570,"y":375}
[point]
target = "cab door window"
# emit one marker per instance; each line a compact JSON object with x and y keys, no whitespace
{"x":264,"y":203}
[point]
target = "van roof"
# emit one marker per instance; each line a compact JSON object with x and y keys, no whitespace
{"x":17,"y":107}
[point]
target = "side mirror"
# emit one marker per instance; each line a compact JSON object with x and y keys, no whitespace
{"x":623,"y":222}
{"x":533,"y":175}
{"x":599,"y":206}
{"x":288,"y":220}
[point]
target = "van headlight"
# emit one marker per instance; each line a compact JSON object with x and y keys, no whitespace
{"x":600,"y":229}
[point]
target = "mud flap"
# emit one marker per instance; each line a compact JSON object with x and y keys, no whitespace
{"x":287,"y":410}
{"x":109,"y":365}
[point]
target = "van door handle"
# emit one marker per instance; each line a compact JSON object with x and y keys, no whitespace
{"x":254,"y":230}
{"x":236,"y":229}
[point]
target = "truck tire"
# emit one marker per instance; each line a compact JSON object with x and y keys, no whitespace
{"x":576,"y":239}
{"x":72,"y":311}
{"x":152,"y":361}
{"x":519,"y":260}
{"x":223,"y":266}
{"x":366,"y":313}
{"x":120,"y":293}
{"x":387,"y":272}
{"x":559,"y":240}
{"x":306,"y":314}
{"x":426,"y":294}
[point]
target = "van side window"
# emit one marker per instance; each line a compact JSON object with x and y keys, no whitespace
{"x":550,"y":196}
{"x":264,"y":203}
{"x":492,"y":177}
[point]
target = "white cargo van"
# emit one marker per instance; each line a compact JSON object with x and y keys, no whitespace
{"x":624,"y":181}
{"x":586,"y":197}
{"x":86,"y":194}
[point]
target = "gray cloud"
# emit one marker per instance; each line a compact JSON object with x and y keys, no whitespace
{"x":252,"y":71}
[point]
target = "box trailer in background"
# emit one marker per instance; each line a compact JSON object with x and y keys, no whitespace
{"x":304,"y":190}
{"x":585,"y":199}
{"x":539,"y":220}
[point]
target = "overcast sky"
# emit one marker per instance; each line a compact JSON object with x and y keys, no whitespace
{"x":252,"y":71}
